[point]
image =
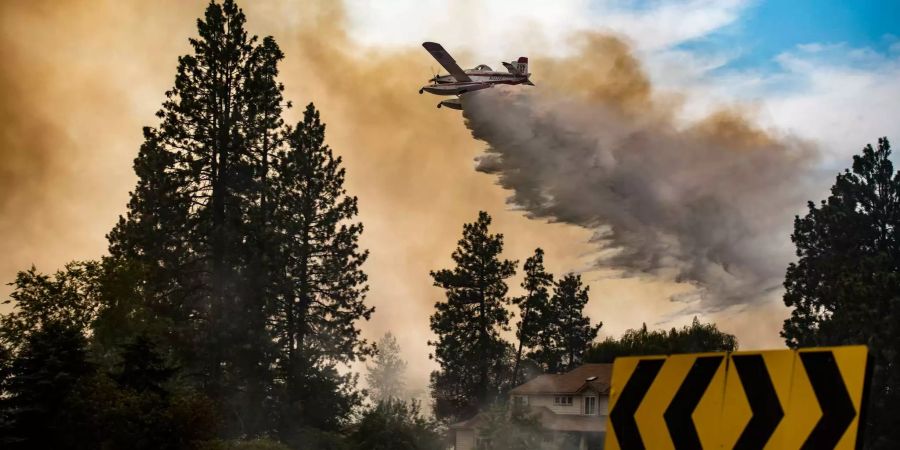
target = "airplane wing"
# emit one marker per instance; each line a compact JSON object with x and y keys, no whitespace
{"x":441,"y":55}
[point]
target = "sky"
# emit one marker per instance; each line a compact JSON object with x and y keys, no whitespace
{"x":82,"y":77}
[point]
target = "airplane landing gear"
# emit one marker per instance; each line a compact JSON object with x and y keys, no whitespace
{"x":421,"y":90}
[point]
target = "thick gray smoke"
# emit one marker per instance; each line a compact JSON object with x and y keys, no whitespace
{"x":710,"y":203}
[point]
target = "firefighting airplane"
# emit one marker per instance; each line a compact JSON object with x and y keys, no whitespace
{"x":461,"y":81}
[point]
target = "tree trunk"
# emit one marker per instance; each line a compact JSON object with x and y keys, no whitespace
{"x":515,"y":374}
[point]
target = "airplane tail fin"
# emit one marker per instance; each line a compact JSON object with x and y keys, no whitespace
{"x":522,"y":65}
{"x":519,"y":67}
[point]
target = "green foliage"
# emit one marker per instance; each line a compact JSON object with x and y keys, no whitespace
{"x":310,"y":438}
{"x":565,"y":332}
{"x":318,"y":291}
{"x":233,"y":287}
{"x":50,"y":363}
{"x":118,"y":416}
{"x":255,"y":444}
{"x":323,"y":398}
{"x":696,"y":338}
{"x":509,"y":428}
{"x":845,"y":287}
{"x":469,"y":348}
{"x":534,"y":308}
{"x":395,"y":425}
{"x":194,"y":227}
{"x":238,"y":253}
{"x":55,"y":398}
{"x":142,"y":368}
{"x":386,"y":376}
{"x":69,"y":298}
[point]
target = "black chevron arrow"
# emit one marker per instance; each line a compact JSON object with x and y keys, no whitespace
{"x":831,"y":392}
{"x":678,"y":414}
{"x":622,"y":414}
{"x":763,"y":399}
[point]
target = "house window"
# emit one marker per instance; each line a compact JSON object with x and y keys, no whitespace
{"x":562,"y":400}
{"x":590,"y":406}
{"x":521,"y":400}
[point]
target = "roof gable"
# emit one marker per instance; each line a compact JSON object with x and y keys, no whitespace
{"x":571,"y":382}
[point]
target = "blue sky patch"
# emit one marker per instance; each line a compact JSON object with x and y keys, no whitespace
{"x":769,"y":28}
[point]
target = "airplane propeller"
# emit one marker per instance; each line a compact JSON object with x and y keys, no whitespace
{"x":434,"y":75}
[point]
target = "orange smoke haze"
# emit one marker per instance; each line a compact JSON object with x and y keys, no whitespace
{"x":81,"y":78}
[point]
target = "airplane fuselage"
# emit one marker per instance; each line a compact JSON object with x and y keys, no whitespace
{"x":447,"y":84}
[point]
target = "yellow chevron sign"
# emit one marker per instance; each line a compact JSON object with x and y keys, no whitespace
{"x":780,"y":399}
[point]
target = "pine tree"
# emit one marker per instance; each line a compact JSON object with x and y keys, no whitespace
{"x":321,"y":287}
{"x":143,"y":368}
{"x":845,"y":287}
{"x":532,"y":307}
{"x":50,"y":364}
{"x":197,"y":222}
{"x":469,"y":348}
{"x":386,"y":376}
{"x":576,"y":332}
{"x":567,"y":332}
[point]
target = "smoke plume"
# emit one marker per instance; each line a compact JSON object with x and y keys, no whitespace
{"x":709,"y":203}
{"x":83,"y":77}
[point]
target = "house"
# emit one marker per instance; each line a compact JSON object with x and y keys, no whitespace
{"x":572,"y":407}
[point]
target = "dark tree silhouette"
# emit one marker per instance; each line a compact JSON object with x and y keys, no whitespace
{"x":696,"y":338}
{"x":35,"y":403}
{"x":397,"y":425}
{"x":566,"y":332}
{"x":239,"y":243}
{"x":234,"y":286}
{"x":845,"y":287}
{"x":469,"y":349}
{"x":534,"y":313}
{"x":71,"y":297}
{"x":197,"y":219}
{"x":320,"y":286}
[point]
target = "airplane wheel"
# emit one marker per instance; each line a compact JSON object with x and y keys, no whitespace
{"x":421,"y":91}
{"x":439,"y":106}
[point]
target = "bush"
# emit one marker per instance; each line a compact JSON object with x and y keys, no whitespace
{"x":395,"y":425}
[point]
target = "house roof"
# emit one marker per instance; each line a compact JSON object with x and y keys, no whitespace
{"x":571,"y":382}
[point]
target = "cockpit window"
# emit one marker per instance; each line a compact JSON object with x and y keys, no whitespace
{"x":484,"y":67}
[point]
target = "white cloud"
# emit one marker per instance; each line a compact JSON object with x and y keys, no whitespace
{"x":500,"y":29}
{"x":837,"y":96}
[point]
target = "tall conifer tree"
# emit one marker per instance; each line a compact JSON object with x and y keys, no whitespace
{"x":197,"y":220}
{"x":845,"y":286}
{"x":469,"y":349}
{"x":386,"y":377}
{"x":533,"y":307}
{"x":320,"y":285}
{"x":572,"y":330}
{"x":564,"y":332}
